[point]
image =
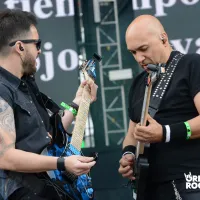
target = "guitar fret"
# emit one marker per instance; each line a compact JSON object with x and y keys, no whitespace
{"x":81,"y":119}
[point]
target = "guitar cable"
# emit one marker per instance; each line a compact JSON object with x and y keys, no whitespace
{"x":57,"y":188}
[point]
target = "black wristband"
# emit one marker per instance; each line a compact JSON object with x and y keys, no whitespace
{"x":178,"y":131}
{"x":129,"y":148}
{"x":164,"y":133}
{"x":74,"y":105}
{"x":61,"y":164}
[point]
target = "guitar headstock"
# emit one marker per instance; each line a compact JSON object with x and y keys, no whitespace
{"x":88,"y":67}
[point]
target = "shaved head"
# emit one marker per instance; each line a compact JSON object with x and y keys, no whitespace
{"x":145,"y":23}
{"x":147,"y":40}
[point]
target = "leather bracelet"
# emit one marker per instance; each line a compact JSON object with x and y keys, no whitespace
{"x":129,"y":148}
{"x":61,"y":164}
{"x":74,"y":105}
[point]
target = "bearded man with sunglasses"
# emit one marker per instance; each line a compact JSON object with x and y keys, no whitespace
{"x":24,"y":122}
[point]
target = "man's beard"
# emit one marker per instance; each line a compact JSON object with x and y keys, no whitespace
{"x":29,"y":65}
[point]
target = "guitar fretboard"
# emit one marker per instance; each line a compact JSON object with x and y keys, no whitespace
{"x":81,"y":118}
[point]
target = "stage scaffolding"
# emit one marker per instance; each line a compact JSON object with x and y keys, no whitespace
{"x":113,"y":95}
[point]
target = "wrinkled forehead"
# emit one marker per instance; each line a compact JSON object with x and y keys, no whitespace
{"x":137,"y":38}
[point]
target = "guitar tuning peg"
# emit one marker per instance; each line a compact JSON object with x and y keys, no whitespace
{"x":97,"y":57}
{"x":83,"y":64}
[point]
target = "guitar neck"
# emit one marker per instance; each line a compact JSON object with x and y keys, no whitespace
{"x":143,"y":120}
{"x":81,"y":119}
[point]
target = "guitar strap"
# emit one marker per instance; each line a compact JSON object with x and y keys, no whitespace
{"x":161,"y":85}
{"x":58,"y":132}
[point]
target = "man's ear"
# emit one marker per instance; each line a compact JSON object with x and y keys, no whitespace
{"x":19,"y":47}
{"x":164,"y":37}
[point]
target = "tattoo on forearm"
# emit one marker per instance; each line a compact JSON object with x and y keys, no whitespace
{"x":7,"y":127}
{"x":6,"y":117}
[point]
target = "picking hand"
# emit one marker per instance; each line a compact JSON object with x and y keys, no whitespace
{"x":149,"y":134}
{"x":126,"y":166}
{"x":79,"y":165}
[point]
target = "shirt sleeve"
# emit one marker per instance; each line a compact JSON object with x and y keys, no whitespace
{"x":194,"y":75}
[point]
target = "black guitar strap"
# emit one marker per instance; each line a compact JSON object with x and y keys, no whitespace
{"x":161,"y":85}
{"x":55,"y":113}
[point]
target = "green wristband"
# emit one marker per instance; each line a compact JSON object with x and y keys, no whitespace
{"x":71,"y":109}
{"x":189,"y":132}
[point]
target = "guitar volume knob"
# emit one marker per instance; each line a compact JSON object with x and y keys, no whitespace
{"x":90,"y":191}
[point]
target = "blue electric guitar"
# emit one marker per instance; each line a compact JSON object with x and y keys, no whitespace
{"x":76,"y":187}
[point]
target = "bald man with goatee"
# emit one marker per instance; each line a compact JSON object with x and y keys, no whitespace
{"x":173,"y":132}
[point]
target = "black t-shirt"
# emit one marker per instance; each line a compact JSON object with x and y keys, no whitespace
{"x":171,"y":160}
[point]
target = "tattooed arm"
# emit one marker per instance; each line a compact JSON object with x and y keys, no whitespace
{"x":14,"y":159}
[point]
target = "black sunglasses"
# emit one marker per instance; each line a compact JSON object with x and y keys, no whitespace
{"x":37,"y":43}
